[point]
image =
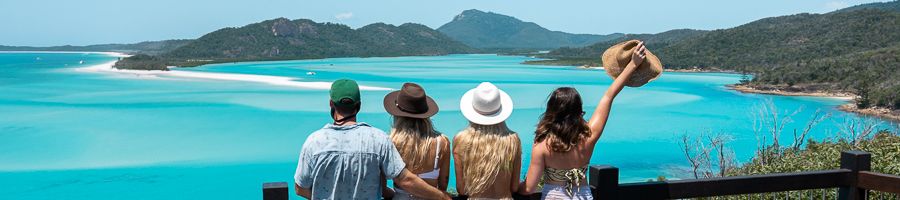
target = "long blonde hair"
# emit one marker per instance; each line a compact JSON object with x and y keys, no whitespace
{"x":485,"y":151}
{"x":412,"y":137}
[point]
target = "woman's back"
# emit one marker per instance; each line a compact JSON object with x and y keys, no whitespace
{"x":498,"y":188}
{"x":579,"y":156}
{"x":425,"y":151}
{"x":564,"y":141}
{"x":488,"y":161}
{"x":436,"y":167}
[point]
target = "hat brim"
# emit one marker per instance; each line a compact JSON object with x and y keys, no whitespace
{"x":648,"y":71}
{"x":468,"y":111}
{"x":390,"y":105}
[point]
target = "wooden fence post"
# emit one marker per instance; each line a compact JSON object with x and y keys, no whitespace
{"x":275,"y":191}
{"x":855,"y":161}
{"x":604,"y":181}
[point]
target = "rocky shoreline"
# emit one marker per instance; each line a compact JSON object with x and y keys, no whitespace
{"x":884,"y":113}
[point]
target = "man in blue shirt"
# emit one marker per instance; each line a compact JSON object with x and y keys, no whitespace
{"x":349,"y":159}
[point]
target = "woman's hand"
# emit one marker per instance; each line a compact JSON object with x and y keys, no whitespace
{"x":637,"y":57}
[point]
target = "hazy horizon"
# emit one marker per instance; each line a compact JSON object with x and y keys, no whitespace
{"x":50,"y":23}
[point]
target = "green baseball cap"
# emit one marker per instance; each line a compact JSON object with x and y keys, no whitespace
{"x":344,"y":89}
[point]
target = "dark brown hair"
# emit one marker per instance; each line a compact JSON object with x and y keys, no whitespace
{"x":562,"y":125}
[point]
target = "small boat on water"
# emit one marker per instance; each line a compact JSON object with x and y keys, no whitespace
{"x":310,"y":73}
{"x":81,"y":62}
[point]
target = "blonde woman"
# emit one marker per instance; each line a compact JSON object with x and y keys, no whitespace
{"x":564,"y":141}
{"x":424,"y":150}
{"x":488,"y":155}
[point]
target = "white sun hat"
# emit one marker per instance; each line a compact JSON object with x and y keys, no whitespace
{"x":486,"y":104}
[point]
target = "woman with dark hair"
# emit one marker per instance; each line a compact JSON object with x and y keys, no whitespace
{"x":564,"y":141}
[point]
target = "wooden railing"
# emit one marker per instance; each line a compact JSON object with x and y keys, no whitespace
{"x":853,"y":180}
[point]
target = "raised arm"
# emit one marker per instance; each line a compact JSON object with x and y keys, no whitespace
{"x":601,"y":113}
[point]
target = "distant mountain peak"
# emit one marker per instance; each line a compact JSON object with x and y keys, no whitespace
{"x":478,"y":15}
{"x":472,"y":11}
{"x":468,"y":13}
{"x":482,"y":29}
{"x":277,"y":20}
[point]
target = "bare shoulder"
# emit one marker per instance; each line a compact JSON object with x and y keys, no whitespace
{"x":457,"y":143}
{"x":445,"y":143}
{"x":458,"y":137}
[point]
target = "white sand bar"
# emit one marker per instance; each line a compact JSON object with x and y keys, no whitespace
{"x":272,"y":80}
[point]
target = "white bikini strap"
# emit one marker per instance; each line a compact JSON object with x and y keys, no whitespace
{"x":437,"y":152}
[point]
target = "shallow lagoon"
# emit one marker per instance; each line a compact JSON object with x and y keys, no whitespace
{"x":77,"y":135}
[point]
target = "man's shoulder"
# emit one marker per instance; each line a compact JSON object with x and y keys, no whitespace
{"x":360,"y":131}
{"x":371,"y":133}
{"x":317,"y":134}
{"x":364,"y":127}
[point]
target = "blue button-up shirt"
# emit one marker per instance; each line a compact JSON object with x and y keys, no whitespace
{"x":345,"y":162}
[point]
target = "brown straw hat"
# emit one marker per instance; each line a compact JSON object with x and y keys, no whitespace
{"x":617,"y":57}
{"x":410,"y":101}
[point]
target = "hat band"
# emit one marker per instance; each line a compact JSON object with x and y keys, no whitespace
{"x":495,"y":111}
{"x":408,"y":110}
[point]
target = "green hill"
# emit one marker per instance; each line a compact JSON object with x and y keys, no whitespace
{"x":850,"y":50}
{"x":776,"y":41}
{"x":283,"y":39}
{"x":495,"y":31}
{"x":887,"y":6}
{"x":874,"y":75}
{"x":304,"y":39}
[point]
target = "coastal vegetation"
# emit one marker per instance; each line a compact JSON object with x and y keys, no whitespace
{"x":815,"y":155}
{"x":873,"y":75}
{"x":709,"y":154}
{"x":142,"y":62}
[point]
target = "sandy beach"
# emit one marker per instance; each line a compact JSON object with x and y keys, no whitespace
{"x":265,"y":79}
{"x":745,"y":89}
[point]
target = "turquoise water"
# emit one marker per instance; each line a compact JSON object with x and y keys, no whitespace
{"x":80,"y":135}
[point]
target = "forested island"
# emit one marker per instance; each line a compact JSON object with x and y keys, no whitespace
{"x":284,"y":39}
{"x":854,"y":50}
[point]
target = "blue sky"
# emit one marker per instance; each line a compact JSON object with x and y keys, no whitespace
{"x":59,"y":22}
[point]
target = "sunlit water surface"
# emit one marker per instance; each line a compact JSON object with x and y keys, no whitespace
{"x":66,"y":134}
